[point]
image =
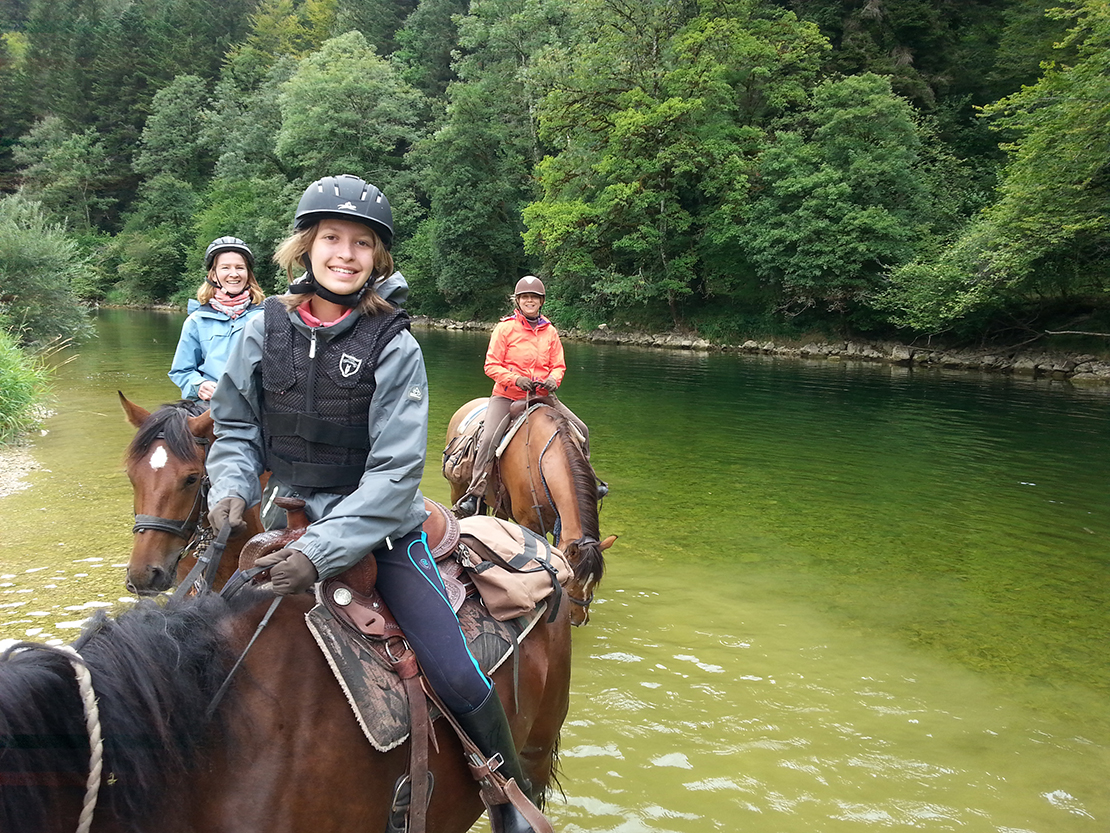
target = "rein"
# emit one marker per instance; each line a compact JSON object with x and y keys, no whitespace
{"x":588,"y":600}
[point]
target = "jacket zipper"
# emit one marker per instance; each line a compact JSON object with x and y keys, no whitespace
{"x":310,"y":384}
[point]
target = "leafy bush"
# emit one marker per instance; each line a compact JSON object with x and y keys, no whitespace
{"x":38,"y":266}
{"x":23,"y":383}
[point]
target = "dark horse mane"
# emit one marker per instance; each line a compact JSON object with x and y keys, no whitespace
{"x":590,"y":562}
{"x":155,"y":669}
{"x":167,"y":423}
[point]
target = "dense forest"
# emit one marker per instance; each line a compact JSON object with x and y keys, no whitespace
{"x":910,"y":168}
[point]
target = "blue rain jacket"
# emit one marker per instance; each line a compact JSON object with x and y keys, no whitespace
{"x":204,"y":347}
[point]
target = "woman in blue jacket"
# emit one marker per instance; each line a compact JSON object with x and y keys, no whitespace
{"x":228,"y":298}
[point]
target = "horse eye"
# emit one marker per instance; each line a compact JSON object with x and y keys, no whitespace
{"x":191,"y":479}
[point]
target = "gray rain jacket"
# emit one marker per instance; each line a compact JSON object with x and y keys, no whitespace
{"x":387,"y":502}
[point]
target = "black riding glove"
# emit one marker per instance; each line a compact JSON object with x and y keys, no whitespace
{"x":524,"y":383}
{"x":228,"y":511}
{"x":290,"y":571}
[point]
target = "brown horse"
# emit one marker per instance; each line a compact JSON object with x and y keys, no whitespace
{"x":543,"y":481}
{"x":281,"y":752}
{"x":165,"y":463}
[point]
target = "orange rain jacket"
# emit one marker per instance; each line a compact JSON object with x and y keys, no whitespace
{"x":517,"y":348}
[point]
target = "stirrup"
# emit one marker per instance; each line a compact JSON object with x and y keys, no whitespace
{"x":402,"y":796}
{"x":467,"y":506}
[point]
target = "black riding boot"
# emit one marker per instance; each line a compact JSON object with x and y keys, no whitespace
{"x":468,"y":504}
{"x":488,"y":727}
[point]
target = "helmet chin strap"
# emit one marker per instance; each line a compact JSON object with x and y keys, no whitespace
{"x":310,"y":284}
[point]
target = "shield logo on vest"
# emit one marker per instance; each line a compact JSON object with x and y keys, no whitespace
{"x":349,"y":365}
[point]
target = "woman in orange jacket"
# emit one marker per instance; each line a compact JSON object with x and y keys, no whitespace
{"x":524,"y":356}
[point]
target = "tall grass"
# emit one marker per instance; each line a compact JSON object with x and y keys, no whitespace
{"x":23,"y":385}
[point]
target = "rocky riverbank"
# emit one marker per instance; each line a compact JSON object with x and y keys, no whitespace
{"x":16,"y":463}
{"x":1078,"y":368}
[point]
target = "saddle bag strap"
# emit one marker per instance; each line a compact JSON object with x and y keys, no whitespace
{"x":493,"y":787}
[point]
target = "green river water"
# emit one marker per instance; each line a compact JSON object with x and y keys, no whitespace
{"x":844,"y":597}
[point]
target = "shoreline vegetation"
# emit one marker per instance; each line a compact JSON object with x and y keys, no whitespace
{"x":1075,"y":367}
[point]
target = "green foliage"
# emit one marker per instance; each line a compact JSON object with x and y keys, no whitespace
{"x":259,"y":211}
{"x":66,"y":171}
{"x":23,"y":384}
{"x":1046,"y":235}
{"x":346,"y":110}
{"x":152,"y":247}
{"x":838,"y":200}
{"x":656,"y":113}
{"x":171,"y":143}
{"x":38,"y":265}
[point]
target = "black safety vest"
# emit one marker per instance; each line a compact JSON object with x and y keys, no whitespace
{"x":316,"y":403}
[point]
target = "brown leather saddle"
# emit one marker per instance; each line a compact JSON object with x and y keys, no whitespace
{"x":351,"y":595}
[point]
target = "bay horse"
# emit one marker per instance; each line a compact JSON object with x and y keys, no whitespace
{"x":542,"y":480}
{"x":165,"y":464}
{"x":282,"y":751}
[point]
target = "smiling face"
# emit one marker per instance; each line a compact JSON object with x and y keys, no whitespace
{"x":342,"y":255}
{"x":529,"y":303}
{"x":229,"y":270}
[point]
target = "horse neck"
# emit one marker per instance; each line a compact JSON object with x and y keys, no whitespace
{"x":576,"y":503}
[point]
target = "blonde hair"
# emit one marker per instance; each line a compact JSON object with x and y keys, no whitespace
{"x":206,"y":291}
{"x":289,"y":257}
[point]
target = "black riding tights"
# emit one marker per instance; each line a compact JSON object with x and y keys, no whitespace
{"x":410,"y":584}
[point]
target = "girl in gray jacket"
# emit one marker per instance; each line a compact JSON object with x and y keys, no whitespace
{"x":328,"y":390}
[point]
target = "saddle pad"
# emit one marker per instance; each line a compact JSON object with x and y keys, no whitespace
{"x":375,"y":692}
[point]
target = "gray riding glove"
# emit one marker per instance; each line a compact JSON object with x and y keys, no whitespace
{"x":549,"y":384}
{"x":228,"y":511}
{"x":524,"y":383}
{"x":290,"y":571}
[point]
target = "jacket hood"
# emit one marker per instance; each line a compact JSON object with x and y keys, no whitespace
{"x":394,"y":289}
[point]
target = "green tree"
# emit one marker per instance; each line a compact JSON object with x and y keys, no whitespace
{"x":1045,"y":237}
{"x":426,"y":42}
{"x":38,"y":265}
{"x":172,"y":141}
{"x":378,"y":20}
{"x":346,"y":110}
{"x":476,"y":168}
{"x":152,"y":247}
{"x":838,"y":200}
{"x":66,"y":171}
{"x":654,"y":114}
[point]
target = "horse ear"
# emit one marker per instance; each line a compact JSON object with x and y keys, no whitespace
{"x":201,"y":425}
{"x":608,"y":542}
{"x":135,"y":415}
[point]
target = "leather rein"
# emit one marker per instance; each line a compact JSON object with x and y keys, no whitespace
{"x":537,"y":507}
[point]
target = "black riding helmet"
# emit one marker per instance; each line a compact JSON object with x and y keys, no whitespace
{"x":346,"y":197}
{"x":343,"y":197}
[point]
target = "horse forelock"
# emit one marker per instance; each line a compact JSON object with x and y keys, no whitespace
{"x":589,"y":562}
{"x":170,"y":424}
{"x":155,"y":669}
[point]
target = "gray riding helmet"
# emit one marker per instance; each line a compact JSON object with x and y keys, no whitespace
{"x":346,"y":197}
{"x":227,"y":244}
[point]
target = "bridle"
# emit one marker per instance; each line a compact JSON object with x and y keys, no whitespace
{"x":537,"y":508}
{"x":184,"y":529}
